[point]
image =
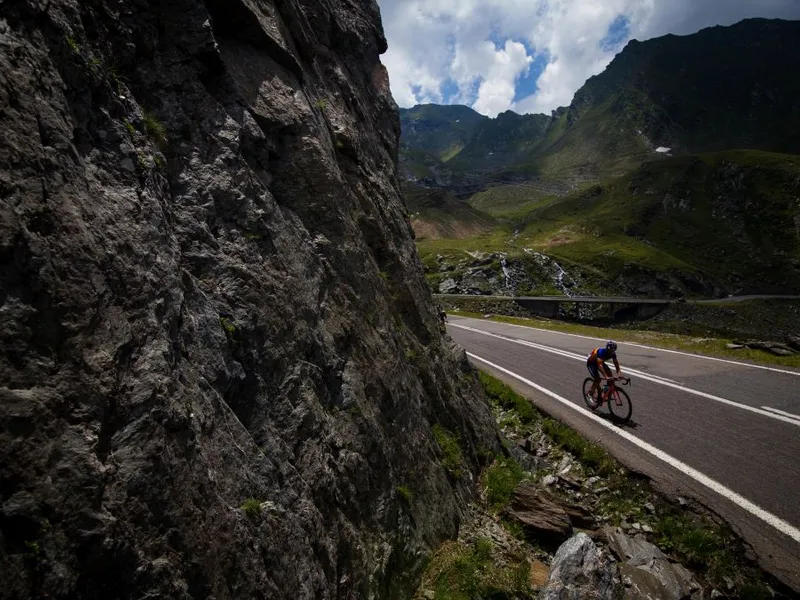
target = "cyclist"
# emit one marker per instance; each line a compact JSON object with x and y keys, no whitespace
{"x":596,"y":363}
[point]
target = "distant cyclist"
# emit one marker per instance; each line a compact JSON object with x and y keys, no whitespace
{"x":596,"y":363}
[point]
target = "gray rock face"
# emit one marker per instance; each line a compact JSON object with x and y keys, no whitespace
{"x":646,"y":572}
{"x":208,"y":294}
{"x":580,"y":571}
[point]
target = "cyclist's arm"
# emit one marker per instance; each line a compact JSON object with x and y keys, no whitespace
{"x":616,"y":365}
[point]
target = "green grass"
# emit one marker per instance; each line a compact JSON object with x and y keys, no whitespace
{"x":405,"y":493}
{"x":451,"y":448}
{"x":504,"y":396}
{"x":502,"y":477}
{"x":698,"y":544}
{"x":512,"y":202}
{"x":226,"y":324}
{"x":73,"y":45}
{"x":458,"y":571}
{"x":155,"y":129}
{"x":251,"y":507}
{"x":595,"y":458}
{"x":671,"y":341}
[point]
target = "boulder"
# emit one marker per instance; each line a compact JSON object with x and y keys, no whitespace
{"x":580,"y":571}
{"x":544,"y":516}
{"x":646,"y":572}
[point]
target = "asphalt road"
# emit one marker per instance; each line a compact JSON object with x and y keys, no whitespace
{"x":722,"y":432}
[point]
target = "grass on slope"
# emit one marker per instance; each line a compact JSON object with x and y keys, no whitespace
{"x":436,"y":213}
{"x":512,"y":202}
{"x":707,"y":346}
{"x":731,"y":215}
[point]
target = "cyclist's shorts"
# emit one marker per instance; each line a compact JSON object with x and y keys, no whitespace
{"x":594,"y":370}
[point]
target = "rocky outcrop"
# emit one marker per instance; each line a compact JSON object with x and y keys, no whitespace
{"x":219,"y":358}
{"x":581,"y":571}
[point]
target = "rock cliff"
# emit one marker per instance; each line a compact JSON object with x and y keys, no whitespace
{"x":219,"y":362}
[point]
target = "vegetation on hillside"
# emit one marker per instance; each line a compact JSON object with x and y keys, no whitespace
{"x":596,"y":187}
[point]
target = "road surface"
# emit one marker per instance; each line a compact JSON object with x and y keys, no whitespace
{"x":723,"y":432}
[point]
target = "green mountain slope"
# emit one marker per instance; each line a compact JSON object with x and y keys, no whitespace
{"x":436,"y":213}
{"x":675,"y":171}
{"x":441,"y":131}
{"x":708,"y":225}
{"x":721,"y":221}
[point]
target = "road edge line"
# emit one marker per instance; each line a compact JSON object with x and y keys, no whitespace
{"x":767,"y":517}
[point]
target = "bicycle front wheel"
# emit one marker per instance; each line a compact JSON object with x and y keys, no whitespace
{"x":620,"y":407}
{"x":592,"y":403}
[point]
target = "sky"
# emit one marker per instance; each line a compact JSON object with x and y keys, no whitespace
{"x":531,"y":56}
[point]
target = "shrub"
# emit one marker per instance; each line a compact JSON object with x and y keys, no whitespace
{"x":155,"y":129}
{"x":251,"y":507}
{"x":502,"y":478}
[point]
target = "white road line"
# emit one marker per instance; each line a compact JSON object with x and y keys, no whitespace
{"x":702,"y":356}
{"x":646,"y":376}
{"x":781,"y":412}
{"x":701,"y":478}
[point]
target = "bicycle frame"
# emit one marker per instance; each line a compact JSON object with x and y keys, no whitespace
{"x":612,"y":392}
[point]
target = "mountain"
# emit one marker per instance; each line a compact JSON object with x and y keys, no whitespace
{"x":221,"y":372}
{"x":721,"y":89}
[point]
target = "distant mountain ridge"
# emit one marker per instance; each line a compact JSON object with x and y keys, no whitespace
{"x":721,"y":88}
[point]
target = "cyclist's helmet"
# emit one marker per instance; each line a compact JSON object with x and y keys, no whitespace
{"x":611,"y":346}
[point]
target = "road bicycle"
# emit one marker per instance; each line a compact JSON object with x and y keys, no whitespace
{"x":619,"y":403}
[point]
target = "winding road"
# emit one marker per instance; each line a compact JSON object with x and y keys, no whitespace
{"x":723,"y":432}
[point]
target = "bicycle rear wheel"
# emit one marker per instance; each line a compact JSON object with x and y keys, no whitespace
{"x":619,"y":405}
{"x":590,"y":402}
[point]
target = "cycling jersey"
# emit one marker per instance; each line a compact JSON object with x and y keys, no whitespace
{"x":601,"y":353}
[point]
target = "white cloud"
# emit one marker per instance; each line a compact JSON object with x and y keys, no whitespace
{"x":481,"y":48}
{"x":494,"y":70}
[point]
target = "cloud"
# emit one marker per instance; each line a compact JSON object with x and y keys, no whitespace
{"x":491,"y":54}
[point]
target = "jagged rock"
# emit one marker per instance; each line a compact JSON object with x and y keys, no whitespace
{"x":793,"y":342}
{"x":734,"y":346}
{"x":545,"y":517}
{"x":539,"y":513}
{"x":209,"y":287}
{"x":646,"y":571}
{"x":580,"y":571}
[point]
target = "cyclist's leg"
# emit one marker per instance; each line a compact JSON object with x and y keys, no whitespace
{"x":595,"y":374}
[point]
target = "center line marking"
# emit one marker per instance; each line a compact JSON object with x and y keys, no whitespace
{"x":654,"y":379}
{"x":712,"y":484}
{"x":638,"y":345}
